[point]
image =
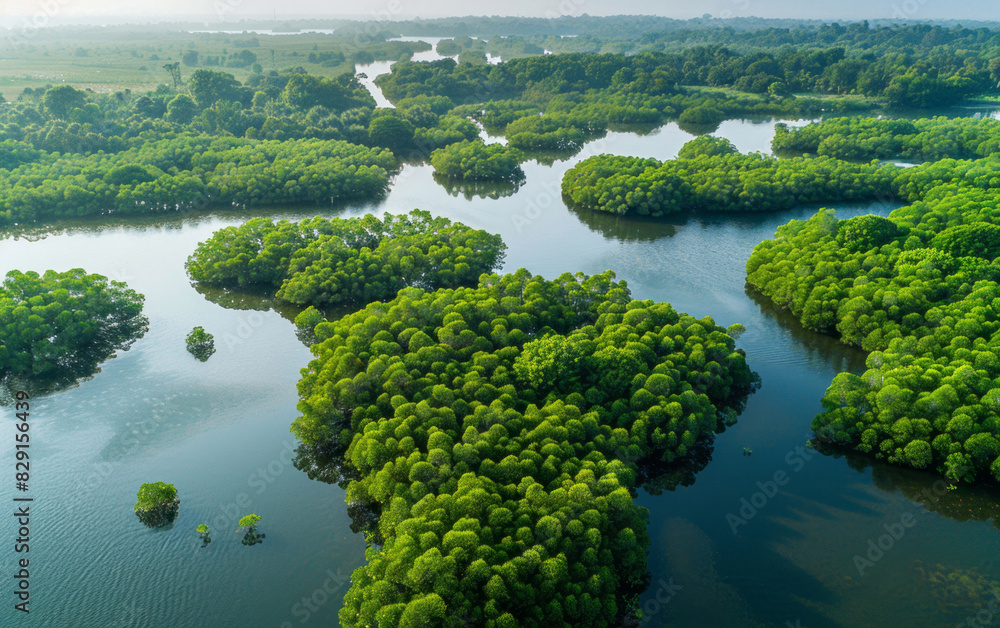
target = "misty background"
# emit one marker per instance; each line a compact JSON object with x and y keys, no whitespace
{"x":13,"y":12}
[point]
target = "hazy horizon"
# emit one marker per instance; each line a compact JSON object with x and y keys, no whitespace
{"x":70,"y":11}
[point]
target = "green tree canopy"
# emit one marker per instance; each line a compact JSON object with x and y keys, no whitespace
{"x":58,"y":327}
{"x":496,"y":432}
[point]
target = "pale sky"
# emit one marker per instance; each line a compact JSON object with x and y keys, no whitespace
{"x":68,"y":10}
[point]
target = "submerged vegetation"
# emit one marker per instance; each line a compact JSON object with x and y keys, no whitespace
{"x":498,"y":430}
{"x":203,"y":534}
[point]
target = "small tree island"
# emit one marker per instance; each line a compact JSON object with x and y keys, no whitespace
{"x":250,"y":523}
{"x":158,"y":504}
{"x":203,"y":532}
{"x":475,"y":161}
{"x":200,"y":344}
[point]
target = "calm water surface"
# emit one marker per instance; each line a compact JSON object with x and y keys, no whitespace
{"x":219,"y":431}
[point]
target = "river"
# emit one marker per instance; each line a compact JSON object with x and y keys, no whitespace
{"x":219,"y":431}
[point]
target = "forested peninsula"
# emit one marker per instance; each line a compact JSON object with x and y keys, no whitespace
{"x":495,"y":432}
{"x":58,"y":327}
{"x":920,"y":291}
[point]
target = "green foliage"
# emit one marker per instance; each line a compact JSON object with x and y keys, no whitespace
{"x":181,"y":109}
{"x":978,"y":239}
{"x":155,"y":494}
{"x":210,"y":86}
{"x":497,"y":430}
{"x":157,"y":504}
{"x":391,"y":130}
{"x":702,"y":116}
{"x":863,"y":233}
{"x":58,"y":327}
{"x":864,"y":139}
{"x":200,"y":344}
{"x":62,"y":100}
{"x":203,"y":533}
{"x":347,"y":261}
{"x":708,"y":146}
{"x":476,"y":161}
{"x":13,"y":154}
{"x":472,"y":57}
{"x":918,"y":292}
{"x":308,"y":318}
{"x":713,"y":178}
{"x":251,"y":536}
{"x":559,"y":102}
{"x":305,"y":91}
{"x":183,"y":173}
{"x":249,"y":521}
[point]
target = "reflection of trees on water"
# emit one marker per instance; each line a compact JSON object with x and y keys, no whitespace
{"x":479,"y":189}
{"x":696,"y":128}
{"x":326,"y":462}
{"x":635,"y":128}
{"x":79,"y":365}
{"x":258,"y":298}
{"x":262,"y":299}
{"x":176,"y":220}
{"x":820,"y":348}
{"x":626,"y":228}
{"x":161,"y":516}
{"x":550,"y":157}
{"x":655,"y":476}
{"x":978,"y":502}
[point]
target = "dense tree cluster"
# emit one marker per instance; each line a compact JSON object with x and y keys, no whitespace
{"x":476,"y":161}
{"x":347,"y":261}
{"x":864,"y":139}
{"x":920,"y":290}
{"x":57,"y":327}
{"x":711,"y":176}
{"x":497,"y":429}
{"x":192,"y":172}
